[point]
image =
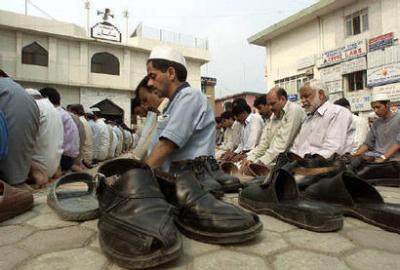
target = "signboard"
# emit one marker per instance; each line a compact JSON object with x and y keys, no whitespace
{"x":333,"y":73}
{"x":352,"y":50}
{"x":380,"y":42}
{"x":334,"y":87}
{"x":359,"y":100}
{"x":293,"y":98}
{"x":383,"y":75}
{"x":392,"y":90}
{"x":354,"y":65}
{"x":106,"y":31}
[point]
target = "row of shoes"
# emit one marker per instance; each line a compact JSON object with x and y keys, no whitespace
{"x":142,"y":212}
{"x":320,"y":201}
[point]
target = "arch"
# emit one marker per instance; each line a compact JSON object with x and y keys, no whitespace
{"x":105,"y":63}
{"x":35,"y":54}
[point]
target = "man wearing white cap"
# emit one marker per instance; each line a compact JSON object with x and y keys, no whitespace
{"x":383,"y":139}
{"x":186,"y":128}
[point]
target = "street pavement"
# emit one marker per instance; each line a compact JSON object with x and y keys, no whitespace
{"x":40,"y":240}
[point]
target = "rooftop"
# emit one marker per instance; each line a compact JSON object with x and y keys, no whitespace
{"x":304,"y":16}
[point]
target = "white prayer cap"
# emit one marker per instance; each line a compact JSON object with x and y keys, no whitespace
{"x":168,"y":53}
{"x":88,"y":111}
{"x":380,"y":97}
{"x":33,"y":92}
{"x":95,"y":109}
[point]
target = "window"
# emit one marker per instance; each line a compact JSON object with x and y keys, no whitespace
{"x":34,"y":54}
{"x":293,"y":84}
{"x":357,"y":23}
{"x":357,"y":80}
{"x":105,"y":63}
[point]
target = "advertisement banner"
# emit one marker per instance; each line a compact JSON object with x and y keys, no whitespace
{"x":352,"y":50}
{"x":380,"y":42}
{"x":392,"y":90}
{"x":354,"y":65}
{"x":359,"y":100}
{"x":383,"y":75}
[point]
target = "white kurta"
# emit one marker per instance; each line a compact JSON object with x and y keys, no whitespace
{"x":49,"y":143}
{"x":103,"y":140}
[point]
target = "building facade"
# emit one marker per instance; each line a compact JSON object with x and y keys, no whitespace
{"x":225,"y":103}
{"x":350,"y":45}
{"x":37,"y":52}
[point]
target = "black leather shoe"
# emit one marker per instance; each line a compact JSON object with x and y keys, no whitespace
{"x":202,"y":175}
{"x":228,"y":182}
{"x":136,"y":227}
{"x":201,"y":216}
{"x":380,"y":174}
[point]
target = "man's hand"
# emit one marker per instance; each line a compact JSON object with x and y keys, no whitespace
{"x":160,"y":153}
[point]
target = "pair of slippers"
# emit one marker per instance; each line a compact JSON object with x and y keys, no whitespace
{"x":321,"y":206}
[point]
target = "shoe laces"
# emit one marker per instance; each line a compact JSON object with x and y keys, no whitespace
{"x":213,"y":163}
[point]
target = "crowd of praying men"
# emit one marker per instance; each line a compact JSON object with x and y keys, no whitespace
{"x":44,"y":140}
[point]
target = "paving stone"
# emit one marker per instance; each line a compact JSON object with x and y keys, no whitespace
{"x":58,"y":239}
{"x":273,"y":224}
{"x":69,"y":259}
{"x":225,"y":259}
{"x":392,"y":200}
{"x":375,"y":239}
{"x":91,"y":224}
{"x":195,"y":248}
{"x":49,"y":221}
{"x":305,"y":260}
{"x":20,"y":218}
{"x":373,"y":260}
{"x":95,"y":242}
{"x":42,"y":208}
{"x":325,"y":242}
{"x":11,"y":256}
{"x":390,"y":194}
{"x":362,"y":224}
{"x":265,"y":244}
{"x":40,"y":198}
{"x":13,"y":233}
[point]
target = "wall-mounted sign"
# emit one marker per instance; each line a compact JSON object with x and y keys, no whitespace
{"x":335,"y":96}
{"x":354,"y":65}
{"x":359,"y":100}
{"x":334,"y":86}
{"x":383,"y":75}
{"x":333,"y":73}
{"x":353,"y":50}
{"x":392,"y":90}
{"x":293,"y":98}
{"x":380,"y":42}
{"x":105,"y":30}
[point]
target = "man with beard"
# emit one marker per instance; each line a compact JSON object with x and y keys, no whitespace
{"x":327,"y":128}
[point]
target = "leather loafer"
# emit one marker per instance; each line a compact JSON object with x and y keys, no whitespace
{"x":202,"y":217}
{"x":381,"y":174}
{"x":202,"y":175}
{"x":136,"y":226}
{"x":228,"y":182}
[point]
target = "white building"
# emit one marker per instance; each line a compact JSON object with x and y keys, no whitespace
{"x":37,"y":52}
{"x":352,"y":45}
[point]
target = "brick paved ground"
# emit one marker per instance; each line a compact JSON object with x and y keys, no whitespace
{"x":39,"y":240}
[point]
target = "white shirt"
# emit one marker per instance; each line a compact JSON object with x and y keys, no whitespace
{"x":49,"y":142}
{"x":103,"y":140}
{"x":250,"y":133}
{"x":87,"y":148}
{"x":326,"y":132}
{"x":361,"y":126}
{"x":278,"y":134}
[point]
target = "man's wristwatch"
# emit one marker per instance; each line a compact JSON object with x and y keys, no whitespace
{"x":383,"y":157}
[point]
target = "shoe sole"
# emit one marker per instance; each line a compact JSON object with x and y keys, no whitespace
{"x":140,"y":262}
{"x":330,"y":225}
{"x":220,"y":238}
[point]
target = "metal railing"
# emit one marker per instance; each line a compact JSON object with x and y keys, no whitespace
{"x":170,"y":37}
